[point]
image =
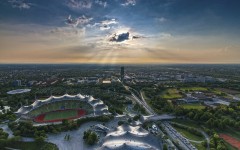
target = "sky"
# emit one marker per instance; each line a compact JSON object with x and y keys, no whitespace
{"x":120,"y":31}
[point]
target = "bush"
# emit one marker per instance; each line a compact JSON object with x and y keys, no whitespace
{"x":90,"y":137}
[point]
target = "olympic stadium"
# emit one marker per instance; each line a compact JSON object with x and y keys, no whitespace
{"x":56,"y":109}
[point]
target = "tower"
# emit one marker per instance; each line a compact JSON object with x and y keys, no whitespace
{"x":122,"y":74}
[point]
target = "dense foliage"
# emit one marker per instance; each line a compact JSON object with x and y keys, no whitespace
{"x":90,"y":137}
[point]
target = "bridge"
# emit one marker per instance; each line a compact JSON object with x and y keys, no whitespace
{"x":158,"y":117}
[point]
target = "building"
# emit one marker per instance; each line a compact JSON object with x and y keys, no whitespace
{"x":126,"y":137}
{"x":17,"y":83}
{"x":37,"y":110}
{"x":122,"y":74}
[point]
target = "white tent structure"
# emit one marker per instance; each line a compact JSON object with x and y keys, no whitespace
{"x":127,"y":137}
{"x":99,"y":108}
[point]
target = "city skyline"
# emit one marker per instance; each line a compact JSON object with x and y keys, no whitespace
{"x":119,"y":31}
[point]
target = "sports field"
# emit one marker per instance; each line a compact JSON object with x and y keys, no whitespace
{"x":231,"y":140}
{"x":59,"y":115}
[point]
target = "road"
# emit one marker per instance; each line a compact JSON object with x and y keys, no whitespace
{"x":7,"y":130}
{"x":141,"y":101}
{"x":158,"y":117}
{"x":144,"y":101}
{"x":203,"y":133}
{"x":152,"y":115}
{"x":183,"y":142}
{"x":146,"y":107}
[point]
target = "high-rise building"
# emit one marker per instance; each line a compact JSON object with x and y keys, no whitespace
{"x":122,"y":74}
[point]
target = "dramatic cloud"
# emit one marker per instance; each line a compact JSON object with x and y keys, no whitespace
{"x":19,"y":4}
{"x":129,"y":2}
{"x":80,"y":20}
{"x":150,"y":31}
{"x":79,"y":4}
{"x":104,"y":25}
{"x":109,"y":22}
{"x":120,"y":38}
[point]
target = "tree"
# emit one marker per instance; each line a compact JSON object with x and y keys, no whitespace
{"x":120,"y":123}
{"x":191,"y":114}
{"x":39,"y":139}
{"x":165,"y":147}
{"x":65,"y":122}
{"x":90,"y":137}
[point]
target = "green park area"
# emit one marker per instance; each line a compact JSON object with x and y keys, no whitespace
{"x":187,"y":122}
{"x":193,"y":139}
{"x":170,"y":94}
{"x":197,"y":106}
{"x":191,"y":133}
{"x":229,"y":146}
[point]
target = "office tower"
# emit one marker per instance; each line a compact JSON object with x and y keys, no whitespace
{"x":122,"y":74}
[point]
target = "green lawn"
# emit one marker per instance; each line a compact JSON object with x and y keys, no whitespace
{"x":193,"y":89}
{"x":189,"y":123}
{"x":32,"y":146}
{"x":60,"y":115}
{"x":189,"y":135}
{"x":170,"y":94}
{"x":193,"y":106}
{"x":229,"y":147}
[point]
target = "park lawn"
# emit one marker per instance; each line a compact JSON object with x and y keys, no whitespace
{"x":32,"y":145}
{"x":185,"y":122}
{"x":170,"y":94}
{"x":216,"y":91}
{"x":193,"y":106}
{"x":229,"y":146}
{"x":189,"y":135}
{"x":60,"y":115}
{"x":193,"y":89}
